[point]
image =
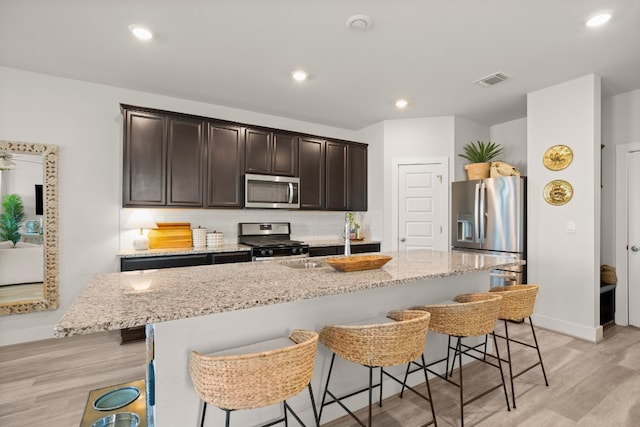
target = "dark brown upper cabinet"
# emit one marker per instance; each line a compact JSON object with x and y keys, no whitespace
{"x":185,"y":161}
{"x":336,"y":176}
{"x":271,"y":153}
{"x":144,"y":152}
{"x":357,"y":178}
{"x":311,"y":162}
{"x":163,"y":160}
{"x":225,"y":163}
{"x":346,"y":176}
{"x":182,"y":160}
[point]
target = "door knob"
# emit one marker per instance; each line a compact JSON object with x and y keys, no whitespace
{"x":402,"y":239}
{"x":635,"y":248}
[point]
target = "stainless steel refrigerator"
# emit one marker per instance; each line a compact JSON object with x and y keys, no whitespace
{"x":489,"y":216}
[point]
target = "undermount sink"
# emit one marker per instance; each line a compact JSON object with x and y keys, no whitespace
{"x":306,"y":264}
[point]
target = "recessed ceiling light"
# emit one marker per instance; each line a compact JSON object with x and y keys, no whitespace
{"x":402,"y":103}
{"x":299,"y":75}
{"x":140,"y":32}
{"x":598,"y":20}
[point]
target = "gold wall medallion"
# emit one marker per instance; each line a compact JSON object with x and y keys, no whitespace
{"x":558,"y":192}
{"x":557,"y":157}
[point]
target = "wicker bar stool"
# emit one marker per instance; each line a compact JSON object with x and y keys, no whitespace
{"x":517,"y":304}
{"x":257,"y":375}
{"x":470,"y":315}
{"x":378,"y":345}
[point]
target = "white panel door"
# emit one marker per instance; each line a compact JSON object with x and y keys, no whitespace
{"x":633,"y":253}
{"x":421,"y":210}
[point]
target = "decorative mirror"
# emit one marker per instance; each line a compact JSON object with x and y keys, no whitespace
{"x":29,"y":276}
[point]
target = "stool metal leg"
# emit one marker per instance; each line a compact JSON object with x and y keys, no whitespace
{"x":227,"y":418}
{"x":380,"y":399}
{"x":506,"y":334}
{"x":204,"y":411}
{"x":326,"y":387}
{"x":533,"y":332}
{"x":370,"y":392}
{"x":504,"y":385}
{"x":316,"y":419}
{"x":459,"y":352}
{"x":426,"y":380}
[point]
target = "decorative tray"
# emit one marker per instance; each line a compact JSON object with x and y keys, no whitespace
{"x":358,"y":263}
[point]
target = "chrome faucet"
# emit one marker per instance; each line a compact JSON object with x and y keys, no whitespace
{"x":347,"y":232}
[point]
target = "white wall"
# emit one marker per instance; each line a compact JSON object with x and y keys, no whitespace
{"x":466,"y":131}
{"x":411,"y":138}
{"x":84,"y":120}
{"x":566,"y":266}
{"x":620,"y":125}
{"x":512,"y":136}
{"x":375,"y":219}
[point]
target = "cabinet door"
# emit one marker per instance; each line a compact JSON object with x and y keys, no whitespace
{"x":284,"y":160}
{"x":144,"y":169}
{"x":312,"y":178}
{"x":258,"y":151}
{"x":225,"y":160}
{"x":185,"y":162}
{"x":367,"y":247}
{"x":336,"y":178}
{"x":357,"y":184}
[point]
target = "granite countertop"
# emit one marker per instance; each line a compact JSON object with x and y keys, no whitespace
{"x":114,"y":301}
{"x":132,"y":253}
{"x":231,"y":247}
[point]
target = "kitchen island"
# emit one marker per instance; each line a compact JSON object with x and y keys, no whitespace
{"x":213,"y":307}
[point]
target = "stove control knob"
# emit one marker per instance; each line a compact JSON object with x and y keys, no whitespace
{"x":294,"y":250}
{"x":270,"y":251}
{"x":263,"y":252}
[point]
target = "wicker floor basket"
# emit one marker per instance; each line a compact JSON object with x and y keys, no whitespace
{"x":608,"y":275}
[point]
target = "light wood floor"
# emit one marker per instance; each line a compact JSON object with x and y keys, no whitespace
{"x":46,"y":383}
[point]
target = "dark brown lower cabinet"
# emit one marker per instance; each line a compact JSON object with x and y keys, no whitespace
{"x":339,"y":250}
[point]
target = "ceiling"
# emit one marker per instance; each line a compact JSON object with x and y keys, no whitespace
{"x":240,"y":53}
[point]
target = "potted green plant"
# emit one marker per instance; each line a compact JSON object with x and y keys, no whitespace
{"x":480,"y":155}
{"x":11,"y":217}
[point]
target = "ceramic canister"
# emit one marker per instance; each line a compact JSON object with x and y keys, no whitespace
{"x":199,"y":237}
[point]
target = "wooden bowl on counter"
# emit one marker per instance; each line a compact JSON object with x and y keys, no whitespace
{"x":358,"y":263}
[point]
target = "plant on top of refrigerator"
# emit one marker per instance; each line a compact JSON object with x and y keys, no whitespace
{"x":481,"y":152}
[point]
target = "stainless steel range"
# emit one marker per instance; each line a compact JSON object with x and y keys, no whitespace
{"x":269,"y":240}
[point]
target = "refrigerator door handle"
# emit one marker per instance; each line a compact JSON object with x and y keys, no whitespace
{"x":482,"y":217}
{"x":476,"y":214}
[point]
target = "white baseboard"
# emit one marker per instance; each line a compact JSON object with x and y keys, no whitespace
{"x":593,"y":334}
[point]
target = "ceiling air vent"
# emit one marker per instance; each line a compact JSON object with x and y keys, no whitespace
{"x":492,"y":79}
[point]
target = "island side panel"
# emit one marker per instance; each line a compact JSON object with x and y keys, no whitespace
{"x":177,"y":402}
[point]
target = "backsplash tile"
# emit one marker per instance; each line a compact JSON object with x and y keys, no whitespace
{"x":304,"y":224}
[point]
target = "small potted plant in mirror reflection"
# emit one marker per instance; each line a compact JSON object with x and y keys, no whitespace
{"x":11,"y":218}
{"x":480,"y":155}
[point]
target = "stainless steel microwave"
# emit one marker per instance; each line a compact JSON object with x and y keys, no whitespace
{"x":267,"y":191}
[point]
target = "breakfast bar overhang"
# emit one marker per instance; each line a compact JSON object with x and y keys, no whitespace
{"x":215,"y":307}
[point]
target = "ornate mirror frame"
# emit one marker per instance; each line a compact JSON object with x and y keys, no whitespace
{"x":51,"y":281}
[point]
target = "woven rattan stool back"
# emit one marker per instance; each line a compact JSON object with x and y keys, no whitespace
{"x":255,"y":380}
{"x":470,"y":315}
{"x":383,"y":344}
{"x":517,"y":301}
